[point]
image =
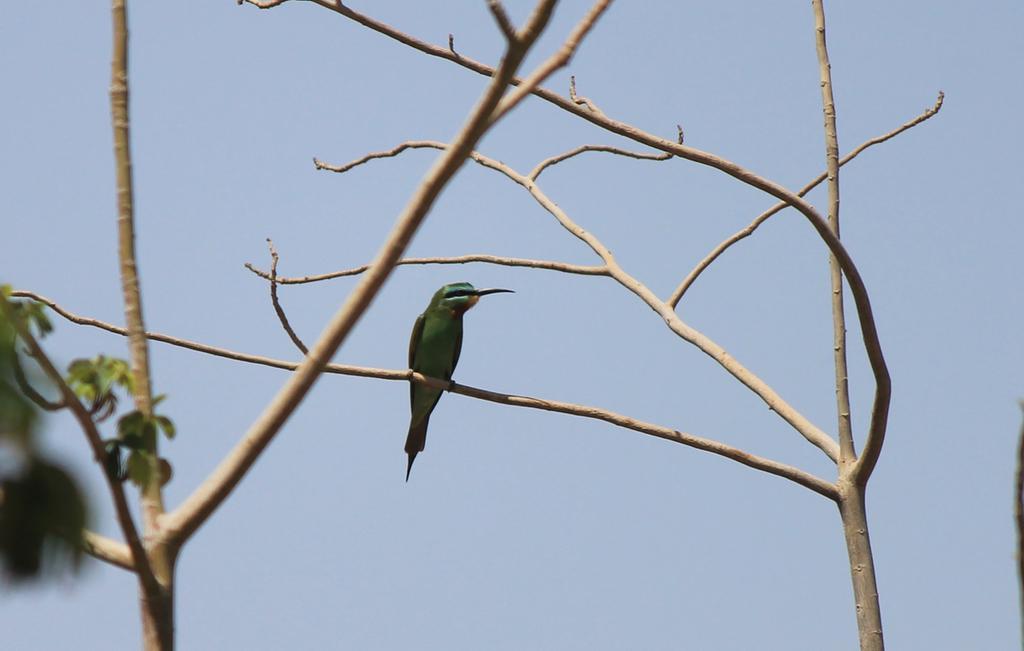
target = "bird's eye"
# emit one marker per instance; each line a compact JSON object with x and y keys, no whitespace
{"x":454,"y":293}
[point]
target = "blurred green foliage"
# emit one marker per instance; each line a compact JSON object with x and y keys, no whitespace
{"x":42,"y":510}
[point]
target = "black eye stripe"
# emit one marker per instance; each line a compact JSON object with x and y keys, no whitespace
{"x":458,"y":292}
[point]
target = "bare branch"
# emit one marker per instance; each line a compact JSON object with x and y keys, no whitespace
{"x":869,"y":332}
{"x":554,"y":160}
{"x":125,"y":212}
{"x":501,"y":17}
{"x":774,"y":401}
{"x":191,"y":514}
{"x":156,"y":336}
{"x":106,"y":549}
{"x":801,"y":477}
{"x":678,"y":293}
{"x":929,"y":112}
{"x":411,"y":144}
{"x":847,"y":455}
{"x":281,"y":316}
{"x":435,"y":144}
{"x":550,"y":265}
{"x":140,"y":561}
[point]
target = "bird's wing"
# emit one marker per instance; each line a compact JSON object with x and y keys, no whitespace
{"x":455,"y":357}
{"x":414,"y":344}
{"x":414,"y":340}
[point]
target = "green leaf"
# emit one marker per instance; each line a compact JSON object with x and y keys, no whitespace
{"x":94,"y":380}
{"x":42,"y":518}
{"x":140,"y":467}
{"x":130,"y":430}
{"x":167,"y":426}
{"x":80,"y":369}
{"x":131,"y":423}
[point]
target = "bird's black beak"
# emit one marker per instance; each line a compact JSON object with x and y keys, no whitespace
{"x":484,"y":292}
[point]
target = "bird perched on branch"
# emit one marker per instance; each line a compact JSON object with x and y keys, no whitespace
{"x":434,"y":351}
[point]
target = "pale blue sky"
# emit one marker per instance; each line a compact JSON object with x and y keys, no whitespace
{"x":522,"y":529}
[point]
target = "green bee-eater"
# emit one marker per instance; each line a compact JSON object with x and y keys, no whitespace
{"x":434,"y":350}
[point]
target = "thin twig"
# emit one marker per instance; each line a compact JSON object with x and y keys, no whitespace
{"x":801,"y":477}
{"x":579,"y":99}
{"x":1018,"y":512}
{"x":140,"y":561}
{"x":550,"y":265}
{"x":411,"y":144}
{"x":554,"y":160}
{"x":207,"y":497}
{"x":262,"y":4}
{"x":869,"y":331}
{"x":30,"y":391}
{"x":679,"y":291}
{"x":558,"y":60}
{"x":281,"y":316}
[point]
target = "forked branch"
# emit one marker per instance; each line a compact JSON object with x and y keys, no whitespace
{"x":807,"y":429}
{"x":869,"y":332}
{"x":281,"y":316}
{"x":677,"y":294}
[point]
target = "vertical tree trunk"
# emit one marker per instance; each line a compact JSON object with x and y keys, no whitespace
{"x":862,"y":566}
{"x":156,"y":593}
{"x":158,"y":619}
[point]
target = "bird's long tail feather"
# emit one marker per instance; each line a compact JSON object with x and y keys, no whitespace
{"x":415,"y":442}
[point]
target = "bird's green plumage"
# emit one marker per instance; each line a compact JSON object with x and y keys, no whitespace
{"x":434,"y":351}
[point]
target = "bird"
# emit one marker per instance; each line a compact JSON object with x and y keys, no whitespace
{"x":434,"y":349}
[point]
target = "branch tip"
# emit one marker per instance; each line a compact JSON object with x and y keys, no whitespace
{"x":501,"y":17}
{"x":281,"y":316}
